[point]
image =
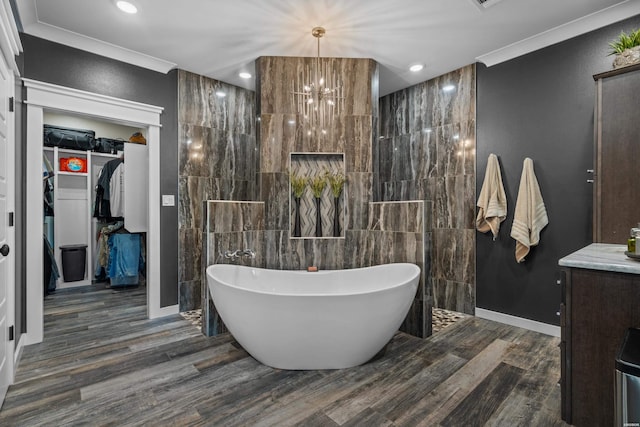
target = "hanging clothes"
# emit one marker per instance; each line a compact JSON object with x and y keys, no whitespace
{"x":116,"y":193}
{"x":51,"y":274}
{"x":47,"y":181}
{"x":124,"y":259}
{"x":102,"y":208}
{"x":103,"y":242}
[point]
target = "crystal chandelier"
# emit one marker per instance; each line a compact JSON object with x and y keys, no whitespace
{"x":318,"y":94}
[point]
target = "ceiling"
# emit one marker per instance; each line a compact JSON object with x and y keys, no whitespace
{"x":220,"y":38}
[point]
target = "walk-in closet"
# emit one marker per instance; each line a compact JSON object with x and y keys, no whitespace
{"x":95,"y":204}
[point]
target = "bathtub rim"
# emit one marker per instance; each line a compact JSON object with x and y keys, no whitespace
{"x":364,"y":291}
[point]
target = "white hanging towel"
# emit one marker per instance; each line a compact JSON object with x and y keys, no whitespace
{"x":492,"y":201}
{"x":531,"y":215}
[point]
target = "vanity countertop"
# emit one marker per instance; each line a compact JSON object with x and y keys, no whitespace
{"x":602,"y":256}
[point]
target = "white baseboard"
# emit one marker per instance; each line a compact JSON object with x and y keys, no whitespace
{"x":520,"y":322}
{"x":68,"y":285}
{"x":17,"y":354}
{"x":164,"y":311}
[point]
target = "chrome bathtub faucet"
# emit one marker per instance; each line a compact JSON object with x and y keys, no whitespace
{"x":238,"y":253}
{"x":248,"y":253}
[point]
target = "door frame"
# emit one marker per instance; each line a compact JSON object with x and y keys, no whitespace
{"x":10,"y":47}
{"x":42,"y":96}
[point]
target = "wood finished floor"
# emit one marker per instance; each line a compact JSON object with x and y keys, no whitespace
{"x":103,"y":363}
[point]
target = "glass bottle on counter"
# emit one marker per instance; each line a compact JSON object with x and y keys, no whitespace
{"x":631,"y":242}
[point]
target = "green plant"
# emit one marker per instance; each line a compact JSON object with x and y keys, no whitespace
{"x":336,"y":182}
{"x":625,"y":41}
{"x":298,"y":184}
{"x":317,"y":184}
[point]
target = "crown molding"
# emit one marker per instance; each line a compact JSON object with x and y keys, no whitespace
{"x":10,"y":44}
{"x":89,"y":44}
{"x":602,"y":18}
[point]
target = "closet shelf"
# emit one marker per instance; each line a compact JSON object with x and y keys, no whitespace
{"x":73,"y":173}
{"x":81,"y":152}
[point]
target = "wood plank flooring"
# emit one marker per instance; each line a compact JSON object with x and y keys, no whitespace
{"x":103,"y":363}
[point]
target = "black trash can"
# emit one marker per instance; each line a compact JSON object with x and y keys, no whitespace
{"x":74,"y":259}
{"x":627,"y":380}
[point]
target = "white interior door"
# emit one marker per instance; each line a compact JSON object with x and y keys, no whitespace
{"x":7,"y":273}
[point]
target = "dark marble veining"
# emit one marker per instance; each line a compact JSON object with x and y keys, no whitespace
{"x":278,"y":74}
{"x":373,"y":233}
{"x":217,"y":159}
{"x":456,"y":296}
{"x":358,"y":191}
{"x":232,"y":216}
{"x":189,"y":255}
{"x":189,"y":294}
{"x":230,"y":226}
{"x":407,"y":217}
{"x":453,"y":255}
{"x":284,"y":253}
{"x":274,"y":192}
{"x":274,"y":249}
{"x":199,"y":105}
{"x":427,"y":152}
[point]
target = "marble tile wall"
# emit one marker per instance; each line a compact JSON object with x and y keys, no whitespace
{"x":373,"y":233}
{"x":227,"y":226}
{"x":218,"y":158}
{"x":396,"y":233}
{"x":405,"y":230}
{"x":282,"y":131}
{"x":427,"y":152}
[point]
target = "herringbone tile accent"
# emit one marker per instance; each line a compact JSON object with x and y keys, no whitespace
{"x":309,"y":166}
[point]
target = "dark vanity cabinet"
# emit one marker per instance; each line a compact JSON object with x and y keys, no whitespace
{"x":616,"y":201}
{"x":598,"y":305}
{"x":600,"y":285}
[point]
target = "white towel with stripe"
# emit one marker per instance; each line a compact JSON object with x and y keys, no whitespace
{"x":531,"y":215}
{"x":492,"y":201}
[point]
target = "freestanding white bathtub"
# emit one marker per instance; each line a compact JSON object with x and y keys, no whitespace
{"x":320,"y":320}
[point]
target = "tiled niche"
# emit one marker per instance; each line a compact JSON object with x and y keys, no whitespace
{"x":308,"y":166}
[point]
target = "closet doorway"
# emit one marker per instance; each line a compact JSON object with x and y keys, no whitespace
{"x":52,"y":100}
{"x":72,"y":223}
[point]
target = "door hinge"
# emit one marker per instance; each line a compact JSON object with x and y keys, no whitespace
{"x":11,"y":333}
{"x":10,"y":219}
{"x":11,"y":106}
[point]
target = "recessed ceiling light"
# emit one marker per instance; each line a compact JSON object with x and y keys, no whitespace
{"x":416,"y":67}
{"x":221,"y":94}
{"x":448,"y":88}
{"x":245,"y":75}
{"x":126,"y":7}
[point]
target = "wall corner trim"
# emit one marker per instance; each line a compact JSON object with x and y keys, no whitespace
{"x":532,"y":325}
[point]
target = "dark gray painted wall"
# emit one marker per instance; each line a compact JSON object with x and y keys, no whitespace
{"x":540,"y":106}
{"x":62,"y":65}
